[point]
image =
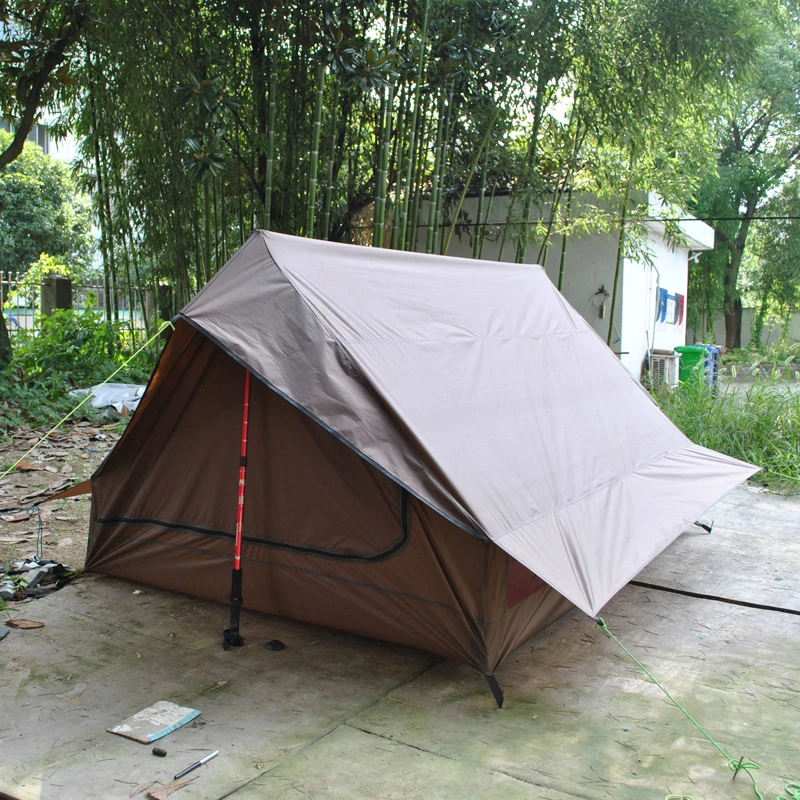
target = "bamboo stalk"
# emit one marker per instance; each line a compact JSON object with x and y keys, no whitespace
{"x":216,"y":227}
{"x":273,"y":88}
{"x":379,"y":224}
{"x":564,"y":240}
{"x":486,"y":219}
{"x":479,"y":214}
{"x":468,"y":181}
{"x":522,"y":242}
{"x":620,"y":258}
{"x":326,"y":204}
{"x":443,"y":166}
{"x":431,"y":235}
{"x":311,"y":208}
{"x":507,"y":226}
{"x":399,"y":139}
{"x":415,"y":190}
{"x":223,"y":219}
{"x":139,"y":285}
{"x":239,"y":194}
{"x":207,"y":220}
{"x":414,"y":122}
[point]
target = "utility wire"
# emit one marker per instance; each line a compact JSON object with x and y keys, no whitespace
{"x":536,"y":220}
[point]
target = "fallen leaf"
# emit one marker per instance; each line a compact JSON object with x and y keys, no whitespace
{"x":168,"y":789}
{"x":18,"y":517}
{"x":141,"y":788}
{"x":37,"y":493}
{"x":27,"y":466}
{"x":51,"y":469}
{"x":24,"y":624}
{"x":23,"y":537}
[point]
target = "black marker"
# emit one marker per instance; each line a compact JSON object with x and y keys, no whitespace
{"x":196,"y":764}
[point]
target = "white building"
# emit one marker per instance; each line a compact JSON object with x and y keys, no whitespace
{"x":651,"y":301}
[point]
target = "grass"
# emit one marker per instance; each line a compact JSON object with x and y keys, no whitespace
{"x":782,"y":357}
{"x":758,"y":422}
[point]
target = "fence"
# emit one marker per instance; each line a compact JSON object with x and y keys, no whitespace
{"x":26,"y":300}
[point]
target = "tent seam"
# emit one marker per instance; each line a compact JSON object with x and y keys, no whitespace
{"x":465,"y":338}
{"x":600,"y":488}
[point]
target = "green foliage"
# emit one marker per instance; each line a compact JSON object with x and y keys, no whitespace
{"x":35,"y":402}
{"x":78,"y":346}
{"x":42,"y":212}
{"x":758,"y":422}
{"x":217,"y":122}
{"x":781,"y":358}
{"x":758,"y":131}
{"x":73,"y":349}
{"x":36,"y":42}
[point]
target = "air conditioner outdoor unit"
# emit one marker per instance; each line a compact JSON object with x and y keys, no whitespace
{"x":664,"y":369}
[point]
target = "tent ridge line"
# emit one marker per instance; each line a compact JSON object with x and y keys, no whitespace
{"x":465,"y":262}
{"x":461,"y":525}
{"x":376,"y":396}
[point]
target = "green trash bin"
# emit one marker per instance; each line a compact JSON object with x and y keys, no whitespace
{"x":695,"y":363}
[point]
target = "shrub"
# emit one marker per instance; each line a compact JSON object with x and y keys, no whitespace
{"x":757,"y":422}
{"x":72,"y":349}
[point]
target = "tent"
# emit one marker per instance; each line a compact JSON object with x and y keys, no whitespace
{"x":441,"y":452}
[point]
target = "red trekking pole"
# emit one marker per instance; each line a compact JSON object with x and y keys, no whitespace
{"x":231,"y":636}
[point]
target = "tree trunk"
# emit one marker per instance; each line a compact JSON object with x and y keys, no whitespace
{"x":732,"y":302}
{"x":5,"y":342}
{"x":258,"y":61}
{"x":733,"y":324}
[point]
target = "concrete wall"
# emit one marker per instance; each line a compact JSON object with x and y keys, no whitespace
{"x":772,"y":333}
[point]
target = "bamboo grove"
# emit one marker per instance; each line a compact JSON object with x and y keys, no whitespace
{"x":201,"y":121}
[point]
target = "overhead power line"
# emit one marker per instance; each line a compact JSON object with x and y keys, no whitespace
{"x":579,"y":217}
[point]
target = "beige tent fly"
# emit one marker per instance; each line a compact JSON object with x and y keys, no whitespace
{"x":441,"y":452}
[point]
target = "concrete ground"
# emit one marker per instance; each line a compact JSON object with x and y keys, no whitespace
{"x":341,"y":717}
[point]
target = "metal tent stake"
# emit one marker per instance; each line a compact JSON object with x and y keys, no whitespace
{"x":231,"y":636}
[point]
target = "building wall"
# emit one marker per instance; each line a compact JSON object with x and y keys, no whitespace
{"x":38,"y":134}
{"x":641,"y":323}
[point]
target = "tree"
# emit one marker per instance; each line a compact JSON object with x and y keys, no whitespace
{"x":35,"y":44}
{"x":772,"y":273}
{"x":758,"y":150}
{"x":370,"y":122}
{"x":42,"y":212}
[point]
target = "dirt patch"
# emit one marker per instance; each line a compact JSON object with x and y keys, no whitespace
{"x":67,"y":457}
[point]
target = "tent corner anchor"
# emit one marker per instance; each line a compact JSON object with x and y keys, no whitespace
{"x":497,"y":692}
